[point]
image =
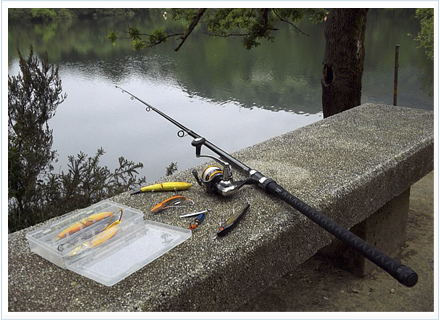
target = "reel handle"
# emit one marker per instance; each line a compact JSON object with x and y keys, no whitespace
{"x":196,"y":176}
{"x":227,"y":170}
{"x":198,"y":143}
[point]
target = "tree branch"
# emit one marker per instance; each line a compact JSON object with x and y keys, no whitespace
{"x":191,"y":27}
{"x":290,"y":23}
{"x":227,"y":35}
{"x":163,"y":39}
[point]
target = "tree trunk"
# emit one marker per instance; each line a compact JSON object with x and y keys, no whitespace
{"x":343,"y":63}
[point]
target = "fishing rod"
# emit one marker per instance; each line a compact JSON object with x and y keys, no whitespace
{"x":216,"y":180}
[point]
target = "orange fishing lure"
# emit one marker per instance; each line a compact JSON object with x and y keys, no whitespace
{"x":171,"y":202}
{"x":77,"y":226}
{"x":99,"y":239}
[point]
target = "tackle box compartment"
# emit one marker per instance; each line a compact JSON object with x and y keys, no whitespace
{"x":45,"y":243}
{"x":136,"y":243}
{"x":130,"y":253}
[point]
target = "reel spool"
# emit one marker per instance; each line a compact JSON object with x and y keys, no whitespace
{"x":210,"y":177}
{"x":213,"y":178}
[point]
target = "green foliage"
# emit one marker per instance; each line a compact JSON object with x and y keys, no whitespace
{"x":426,"y":34}
{"x":171,"y":168}
{"x":35,"y":193}
{"x":19,"y":14}
{"x":156,"y":37}
{"x":43,"y":14}
{"x":47,"y":15}
{"x":64,"y":14}
{"x":135,"y":34}
{"x":112,"y":36}
{"x":86,"y":182}
{"x":251,"y":24}
{"x":32,"y":100}
{"x":139,"y":40}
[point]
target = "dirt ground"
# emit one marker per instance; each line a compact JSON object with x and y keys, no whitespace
{"x":317,"y":285}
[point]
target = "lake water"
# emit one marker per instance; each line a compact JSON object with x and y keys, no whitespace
{"x":233,"y":97}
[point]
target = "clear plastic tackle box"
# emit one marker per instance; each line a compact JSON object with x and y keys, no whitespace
{"x":136,"y":243}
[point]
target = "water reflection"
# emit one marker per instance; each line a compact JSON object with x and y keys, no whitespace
{"x":212,"y":85}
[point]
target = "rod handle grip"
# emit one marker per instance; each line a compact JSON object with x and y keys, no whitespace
{"x":401,"y":273}
{"x":406,"y":276}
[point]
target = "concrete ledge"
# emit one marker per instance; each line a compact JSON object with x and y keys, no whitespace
{"x":385,"y":229}
{"x":348,"y":166}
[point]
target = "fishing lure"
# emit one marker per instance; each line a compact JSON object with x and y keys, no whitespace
{"x":165,"y":186}
{"x":171,"y":202}
{"x":92,"y":230}
{"x":84,"y":223}
{"x":232,"y":221}
{"x":193,"y":214}
{"x":99,"y":239}
{"x":197,"y":221}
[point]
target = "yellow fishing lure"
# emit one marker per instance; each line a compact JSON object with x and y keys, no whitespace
{"x":99,"y":239}
{"x":83,"y":223}
{"x":165,"y":186}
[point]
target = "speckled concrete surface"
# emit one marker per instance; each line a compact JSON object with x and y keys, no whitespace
{"x":347,"y":166}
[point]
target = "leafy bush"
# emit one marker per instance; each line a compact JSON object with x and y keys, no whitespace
{"x":426,"y":34}
{"x":35,"y":193}
{"x":43,"y":14}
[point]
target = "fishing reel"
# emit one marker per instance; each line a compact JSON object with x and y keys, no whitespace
{"x":213,"y":178}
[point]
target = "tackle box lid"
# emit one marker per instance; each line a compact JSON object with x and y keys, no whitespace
{"x":136,"y":243}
